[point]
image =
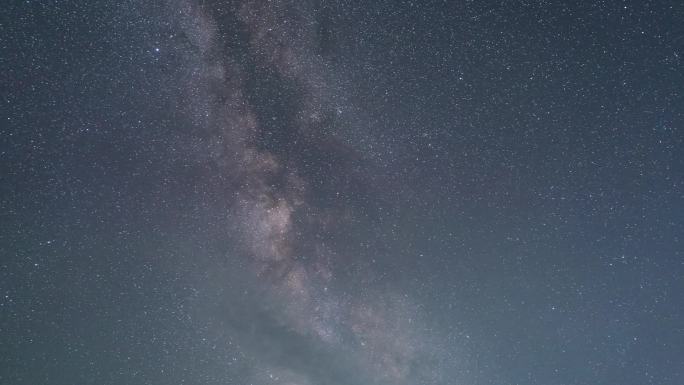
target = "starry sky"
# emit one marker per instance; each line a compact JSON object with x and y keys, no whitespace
{"x":312,"y":192}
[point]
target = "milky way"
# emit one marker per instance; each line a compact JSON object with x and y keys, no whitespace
{"x":268,"y":102}
{"x":312,"y":192}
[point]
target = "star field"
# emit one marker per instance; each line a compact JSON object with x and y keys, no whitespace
{"x":338,"y":193}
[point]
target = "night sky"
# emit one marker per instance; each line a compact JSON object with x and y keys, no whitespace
{"x":311,"y":192}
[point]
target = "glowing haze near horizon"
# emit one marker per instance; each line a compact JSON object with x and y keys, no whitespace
{"x":341,"y":193}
